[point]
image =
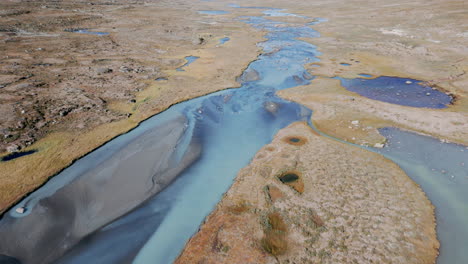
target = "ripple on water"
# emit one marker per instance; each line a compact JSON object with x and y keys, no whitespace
{"x":395,"y":90}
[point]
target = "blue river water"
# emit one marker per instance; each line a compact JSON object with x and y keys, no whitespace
{"x":231,"y":126}
{"x":441,"y":169}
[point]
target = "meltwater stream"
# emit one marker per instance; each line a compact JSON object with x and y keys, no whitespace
{"x":103,"y":208}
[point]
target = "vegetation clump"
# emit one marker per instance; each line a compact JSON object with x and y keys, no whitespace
{"x":274,"y":239}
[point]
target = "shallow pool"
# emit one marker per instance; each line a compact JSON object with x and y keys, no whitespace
{"x":190,"y":60}
{"x":395,"y":90}
{"x":224,"y":40}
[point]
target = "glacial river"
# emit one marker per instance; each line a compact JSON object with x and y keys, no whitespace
{"x":141,"y":196}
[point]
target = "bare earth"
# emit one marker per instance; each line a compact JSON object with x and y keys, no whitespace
{"x":64,"y":94}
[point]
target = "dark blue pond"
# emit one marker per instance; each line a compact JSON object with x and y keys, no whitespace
{"x":395,"y":90}
{"x":190,"y":60}
{"x":16,"y":155}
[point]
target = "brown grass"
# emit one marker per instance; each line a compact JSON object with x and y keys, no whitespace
{"x":274,"y":193}
{"x":317,"y":220}
{"x":274,"y":243}
{"x":239,"y":208}
{"x":276,"y":222}
{"x":274,"y":239}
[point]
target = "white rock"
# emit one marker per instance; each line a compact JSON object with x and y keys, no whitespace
{"x":355,"y":122}
{"x":13,"y":148}
{"x":428,"y":94}
{"x":379,"y":145}
{"x":271,"y":107}
{"x":20,"y":210}
{"x":408,"y":82}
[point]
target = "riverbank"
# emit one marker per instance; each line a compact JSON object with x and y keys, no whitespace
{"x":348,"y":205}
